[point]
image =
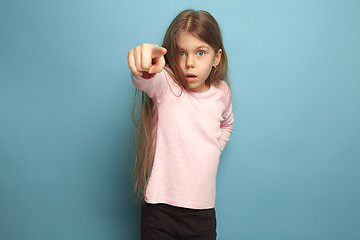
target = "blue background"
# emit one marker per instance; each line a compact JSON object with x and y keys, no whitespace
{"x":290,"y":171}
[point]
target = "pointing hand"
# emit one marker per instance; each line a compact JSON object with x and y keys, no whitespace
{"x":146,"y":60}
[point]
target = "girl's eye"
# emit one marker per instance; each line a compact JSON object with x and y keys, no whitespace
{"x":201,"y":53}
{"x":182,"y":54}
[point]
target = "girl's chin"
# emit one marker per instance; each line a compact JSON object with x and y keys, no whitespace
{"x":198,"y":88}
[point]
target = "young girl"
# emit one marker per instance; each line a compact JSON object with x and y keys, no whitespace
{"x":185,"y":121}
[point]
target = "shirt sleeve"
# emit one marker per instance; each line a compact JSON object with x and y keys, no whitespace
{"x":153,"y":87}
{"x":228,"y":120}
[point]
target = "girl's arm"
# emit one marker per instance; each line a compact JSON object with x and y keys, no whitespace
{"x":146,"y":63}
{"x":146,"y":60}
{"x":227,"y":124}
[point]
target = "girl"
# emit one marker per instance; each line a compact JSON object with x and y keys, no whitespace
{"x":185,"y":121}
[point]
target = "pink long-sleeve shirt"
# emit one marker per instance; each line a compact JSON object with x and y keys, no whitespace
{"x":191,"y":131}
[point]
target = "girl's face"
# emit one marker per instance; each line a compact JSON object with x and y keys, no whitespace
{"x":196,"y":59}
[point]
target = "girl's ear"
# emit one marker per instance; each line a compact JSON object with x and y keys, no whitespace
{"x":217,"y":58}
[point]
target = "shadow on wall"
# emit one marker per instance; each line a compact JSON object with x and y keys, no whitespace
{"x":126,"y":214}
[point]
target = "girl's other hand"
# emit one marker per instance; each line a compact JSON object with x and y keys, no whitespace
{"x":146,"y":60}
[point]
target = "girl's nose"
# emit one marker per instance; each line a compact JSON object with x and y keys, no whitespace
{"x":190,"y":62}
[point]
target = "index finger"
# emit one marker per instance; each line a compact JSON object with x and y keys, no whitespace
{"x":158,"y":51}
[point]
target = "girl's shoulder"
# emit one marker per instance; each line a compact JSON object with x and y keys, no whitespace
{"x":224,"y":84}
{"x":224,"y":91}
{"x":224,"y":87}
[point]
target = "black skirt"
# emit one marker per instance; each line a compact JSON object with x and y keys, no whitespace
{"x":166,"y":222}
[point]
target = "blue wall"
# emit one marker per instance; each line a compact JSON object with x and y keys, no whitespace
{"x":290,"y":171}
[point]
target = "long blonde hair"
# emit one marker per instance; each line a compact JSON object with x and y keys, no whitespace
{"x":204,"y":26}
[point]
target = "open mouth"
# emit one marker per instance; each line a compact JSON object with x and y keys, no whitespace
{"x":191,"y":77}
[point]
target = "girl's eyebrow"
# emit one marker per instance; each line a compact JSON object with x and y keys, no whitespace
{"x":200,"y":47}
{"x":203,"y":47}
